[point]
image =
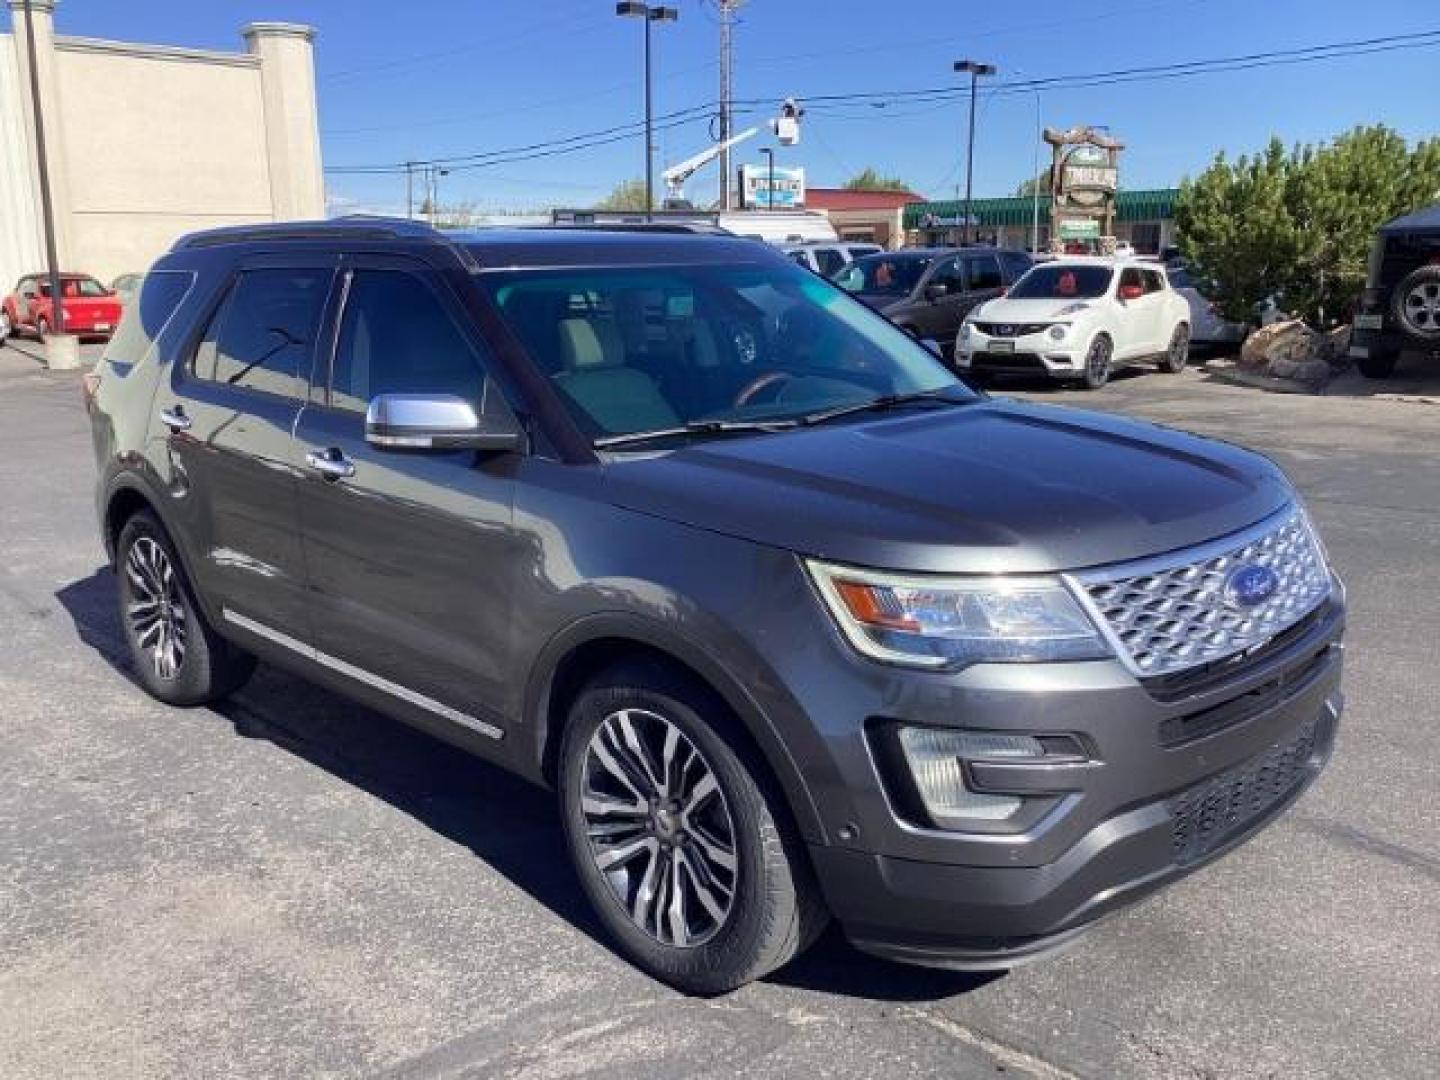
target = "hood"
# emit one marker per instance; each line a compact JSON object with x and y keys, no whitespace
{"x":1003,"y":309}
{"x":981,"y":488}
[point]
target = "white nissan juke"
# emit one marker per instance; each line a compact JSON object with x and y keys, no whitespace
{"x":1078,"y":320}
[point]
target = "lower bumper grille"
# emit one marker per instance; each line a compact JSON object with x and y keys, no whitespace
{"x":1007,"y":361}
{"x":1208,"y":815}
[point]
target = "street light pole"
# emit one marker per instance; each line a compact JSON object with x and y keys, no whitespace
{"x":976,"y":69}
{"x":47,"y":207}
{"x":1035,"y":182}
{"x":651,"y":14}
{"x":769,"y":153}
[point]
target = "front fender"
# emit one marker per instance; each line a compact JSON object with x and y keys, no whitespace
{"x":715,"y":662}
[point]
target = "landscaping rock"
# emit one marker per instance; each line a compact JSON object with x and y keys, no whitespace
{"x":1284,"y":344}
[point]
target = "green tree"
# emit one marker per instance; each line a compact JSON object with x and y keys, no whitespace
{"x":626,"y":195}
{"x":1301,"y":222}
{"x":1040,"y":181}
{"x":870,"y":180}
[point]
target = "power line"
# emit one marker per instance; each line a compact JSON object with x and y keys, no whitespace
{"x":884,"y":98}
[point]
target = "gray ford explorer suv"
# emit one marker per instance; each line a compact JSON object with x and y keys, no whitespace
{"x":797,"y":625}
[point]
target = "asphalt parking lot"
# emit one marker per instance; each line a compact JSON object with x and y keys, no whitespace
{"x":292,"y":886}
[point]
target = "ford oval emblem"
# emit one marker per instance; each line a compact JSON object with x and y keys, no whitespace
{"x":1250,"y":585}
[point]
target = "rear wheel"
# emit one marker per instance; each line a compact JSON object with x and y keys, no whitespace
{"x":176,"y":656}
{"x":1097,"y":363}
{"x":683,"y":852}
{"x":1178,"y":353}
{"x":42,"y":328}
{"x":1379,"y":363}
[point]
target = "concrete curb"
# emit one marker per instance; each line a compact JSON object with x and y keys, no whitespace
{"x":1232,"y":374}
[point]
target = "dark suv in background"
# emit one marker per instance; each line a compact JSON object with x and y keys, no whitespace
{"x":797,"y":624}
{"x":928,"y":292}
{"x":1400,"y":307}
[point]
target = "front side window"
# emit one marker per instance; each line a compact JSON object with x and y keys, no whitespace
{"x":76,"y":288}
{"x":263,"y":335}
{"x":633,"y":349}
{"x":950,"y":275}
{"x":829,"y":261}
{"x":1059,"y":281}
{"x":397,"y":338}
{"x":1015,"y":263}
{"x":884,"y":275}
{"x":984,"y":272}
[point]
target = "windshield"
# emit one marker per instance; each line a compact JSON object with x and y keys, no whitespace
{"x":883,"y":275}
{"x":1058,"y":281}
{"x":653,"y":348}
{"x":71,"y":287}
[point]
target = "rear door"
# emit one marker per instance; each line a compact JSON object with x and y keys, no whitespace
{"x":228,"y":414}
{"x":412,"y":556}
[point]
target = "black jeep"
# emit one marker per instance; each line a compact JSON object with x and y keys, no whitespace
{"x":1400,"y":307}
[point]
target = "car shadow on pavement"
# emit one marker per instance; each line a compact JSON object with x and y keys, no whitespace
{"x":511,"y":824}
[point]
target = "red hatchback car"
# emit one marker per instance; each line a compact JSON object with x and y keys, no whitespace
{"x":91,"y":310}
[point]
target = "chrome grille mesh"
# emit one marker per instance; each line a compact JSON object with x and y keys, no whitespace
{"x":1171,"y":616}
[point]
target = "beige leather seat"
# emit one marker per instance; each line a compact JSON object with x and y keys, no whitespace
{"x":617,"y":397}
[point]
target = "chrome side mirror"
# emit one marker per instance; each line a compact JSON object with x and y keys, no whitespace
{"x":436,"y":422}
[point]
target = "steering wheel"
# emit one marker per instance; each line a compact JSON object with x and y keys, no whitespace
{"x":760,"y":382}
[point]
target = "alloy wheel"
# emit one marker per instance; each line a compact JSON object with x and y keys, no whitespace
{"x":659,"y":828}
{"x":1422,"y":307}
{"x":1179,"y":349}
{"x":1097,"y":363}
{"x":155,"y":608}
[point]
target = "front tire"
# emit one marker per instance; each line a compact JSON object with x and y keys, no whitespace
{"x":42,"y":328}
{"x":1177,"y":355}
{"x":682,"y":849}
{"x":177,"y":657}
{"x":1097,"y":363}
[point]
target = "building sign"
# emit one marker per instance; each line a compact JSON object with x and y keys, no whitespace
{"x":1086,"y":176}
{"x":756,"y":192}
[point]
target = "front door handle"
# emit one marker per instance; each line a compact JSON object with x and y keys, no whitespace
{"x":175,"y":419}
{"x":330,"y":463}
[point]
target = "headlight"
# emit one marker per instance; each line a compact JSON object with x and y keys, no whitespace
{"x":934,"y":621}
{"x":1057,"y":332}
{"x":934,"y":757}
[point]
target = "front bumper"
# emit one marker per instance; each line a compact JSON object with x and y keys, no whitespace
{"x":1155,"y":808}
{"x":1033,"y":354}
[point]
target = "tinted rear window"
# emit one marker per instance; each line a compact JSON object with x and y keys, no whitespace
{"x":148,"y":314}
{"x":263,"y":336}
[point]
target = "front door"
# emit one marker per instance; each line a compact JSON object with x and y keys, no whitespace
{"x":938,"y":314}
{"x":227,"y":414}
{"x":411,"y":556}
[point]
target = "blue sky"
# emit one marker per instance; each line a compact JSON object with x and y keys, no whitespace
{"x":432,"y":78}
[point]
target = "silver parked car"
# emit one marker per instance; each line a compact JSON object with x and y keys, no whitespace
{"x":1207,"y":325}
{"x":827,"y":260}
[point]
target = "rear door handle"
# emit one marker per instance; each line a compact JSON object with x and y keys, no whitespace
{"x":330,"y":463}
{"x":175,"y":419}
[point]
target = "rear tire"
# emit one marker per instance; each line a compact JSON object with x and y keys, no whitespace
{"x":1177,"y":355}
{"x":1380,"y":363}
{"x":656,"y":789}
{"x":177,"y":657}
{"x":42,"y":328}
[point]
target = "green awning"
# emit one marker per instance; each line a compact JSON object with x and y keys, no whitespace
{"x":1153,"y":204}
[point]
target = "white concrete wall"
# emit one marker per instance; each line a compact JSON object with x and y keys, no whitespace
{"x":21,"y":246}
{"x":157,"y":143}
{"x":148,"y":142}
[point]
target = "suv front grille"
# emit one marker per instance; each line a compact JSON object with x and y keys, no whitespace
{"x":1211,"y":813}
{"x":1174,"y":613}
{"x":1009,"y":330}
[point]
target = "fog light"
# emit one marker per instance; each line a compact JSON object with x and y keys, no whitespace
{"x":1057,"y":333}
{"x":934,"y":756}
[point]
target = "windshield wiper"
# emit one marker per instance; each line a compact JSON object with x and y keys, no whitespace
{"x":884,"y":401}
{"x":694,"y":427}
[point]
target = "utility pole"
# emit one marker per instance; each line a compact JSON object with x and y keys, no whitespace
{"x":47,"y":208}
{"x":409,"y":191}
{"x":976,"y":69}
{"x":727,"y":21}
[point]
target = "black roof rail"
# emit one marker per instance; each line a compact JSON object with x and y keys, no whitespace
{"x":350,"y":227}
{"x":702,"y":228}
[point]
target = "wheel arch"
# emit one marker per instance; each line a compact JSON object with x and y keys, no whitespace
{"x":597,"y":642}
